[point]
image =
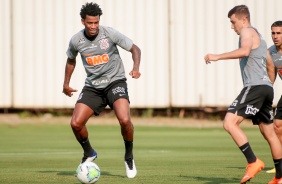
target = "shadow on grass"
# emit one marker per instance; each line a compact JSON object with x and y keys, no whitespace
{"x":73,"y":173}
{"x":62,"y":173}
{"x":210,"y":180}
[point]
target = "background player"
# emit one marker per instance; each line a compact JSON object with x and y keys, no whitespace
{"x":105,"y":83}
{"x":276,"y":55}
{"x":255,"y":100}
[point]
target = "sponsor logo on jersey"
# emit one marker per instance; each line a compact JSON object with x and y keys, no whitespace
{"x":118,"y":90}
{"x":97,"y":60}
{"x":100,"y":81}
{"x":104,"y":44}
{"x":251,"y":110}
{"x":81,"y":40}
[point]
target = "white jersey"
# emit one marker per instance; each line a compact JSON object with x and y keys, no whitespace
{"x":100,"y":57}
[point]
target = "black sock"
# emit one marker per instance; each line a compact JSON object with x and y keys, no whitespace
{"x":278,"y":167}
{"x":88,"y":150}
{"x":128,"y":149}
{"x":248,"y":152}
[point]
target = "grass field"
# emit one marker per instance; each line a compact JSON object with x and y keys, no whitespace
{"x":49,"y":153}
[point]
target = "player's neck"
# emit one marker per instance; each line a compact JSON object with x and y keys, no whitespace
{"x":279,"y":48}
{"x":90,"y":38}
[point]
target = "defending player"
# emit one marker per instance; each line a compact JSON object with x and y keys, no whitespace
{"x":255,"y":100}
{"x":105,"y":83}
{"x":276,"y":55}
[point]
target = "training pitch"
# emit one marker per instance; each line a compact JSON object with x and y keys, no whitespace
{"x":46,"y":152}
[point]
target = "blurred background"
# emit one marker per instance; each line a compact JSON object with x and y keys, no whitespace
{"x":174,"y":36}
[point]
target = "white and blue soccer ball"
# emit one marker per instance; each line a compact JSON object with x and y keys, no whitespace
{"x":88,"y":172}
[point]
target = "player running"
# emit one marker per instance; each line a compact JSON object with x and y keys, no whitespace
{"x":105,"y":83}
{"x":255,"y":100}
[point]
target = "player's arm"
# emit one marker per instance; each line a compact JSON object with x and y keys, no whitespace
{"x":270,"y":68}
{"x":136,"y":57}
{"x":70,"y":65}
{"x":243,"y":51}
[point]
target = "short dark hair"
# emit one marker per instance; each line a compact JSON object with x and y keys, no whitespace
{"x":239,"y":11}
{"x":277,"y":24}
{"x":91,"y":9}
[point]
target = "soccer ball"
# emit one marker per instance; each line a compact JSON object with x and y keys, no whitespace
{"x":88,"y":172}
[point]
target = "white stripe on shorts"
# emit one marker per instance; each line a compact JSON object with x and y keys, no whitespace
{"x":245,"y":95}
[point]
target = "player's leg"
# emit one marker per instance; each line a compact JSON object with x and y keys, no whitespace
{"x":277,"y":125}
{"x":278,"y":120}
{"x":231,"y":124}
{"x":122,"y":111}
{"x":269,"y":134}
{"x":278,"y":129}
{"x":80,"y":116}
{"x":237,"y":112}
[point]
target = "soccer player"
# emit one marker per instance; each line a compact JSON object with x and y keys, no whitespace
{"x":105,"y":83}
{"x":255,"y":100}
{"x":276,"y":55}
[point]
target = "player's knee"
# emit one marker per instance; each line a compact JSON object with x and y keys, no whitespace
{"x":278,"y":129}
{"x":225,"y":126}
{"x":76,"y":125}
{"x":124,"y":121}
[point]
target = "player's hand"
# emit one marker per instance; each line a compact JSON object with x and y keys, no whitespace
{"x":135,"y":74}
{"x":210,"y":57}
{"x":68,"y":91}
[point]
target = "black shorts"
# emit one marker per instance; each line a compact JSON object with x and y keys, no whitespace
{"x":278,"y":110}
{"x":97,"y":100}
{"x":255,"y":103}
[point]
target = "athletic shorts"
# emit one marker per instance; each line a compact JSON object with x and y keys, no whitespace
{"x":97,"y":100}
{"x":278,"y":110}
{"x":255,"y":103}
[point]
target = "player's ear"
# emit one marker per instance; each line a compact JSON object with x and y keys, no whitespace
{"x":83,"y":22}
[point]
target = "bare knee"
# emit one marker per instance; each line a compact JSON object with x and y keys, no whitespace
{"x":226,"y":126}
{"x":278,"y":129}
{"x":124,"y":121}
{"x":76,"y":125}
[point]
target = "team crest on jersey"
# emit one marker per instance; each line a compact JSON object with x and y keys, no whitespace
{"x":104,"y":44}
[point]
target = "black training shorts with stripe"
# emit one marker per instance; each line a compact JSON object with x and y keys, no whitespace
{"x":278,"y":110}
{"x":97,"y":100}
{"x":255,"y":103}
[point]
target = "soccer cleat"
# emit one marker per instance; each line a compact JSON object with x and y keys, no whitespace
{"x":252,"y":170}
{"x":89,"y":158}
{"x":275,"y":181}
{"x":130,"y":168}
{"x":271,"y":171}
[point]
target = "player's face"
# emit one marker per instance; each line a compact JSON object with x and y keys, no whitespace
{"x":236,"y":24}
{"x":91,"y":24}
{"x":276,"y":34}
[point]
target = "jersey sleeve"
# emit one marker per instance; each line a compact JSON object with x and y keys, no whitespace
{"x":120,"y":39}
{"x":72,"y":51}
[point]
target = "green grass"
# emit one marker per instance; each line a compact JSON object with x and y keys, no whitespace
{"x":44,"y":153}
